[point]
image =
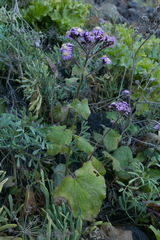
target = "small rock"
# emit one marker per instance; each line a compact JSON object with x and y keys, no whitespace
{"x":137,"y":233}
{"x":109,"y":11}
{"x":134,"y":14}
{"x":132,"y":4}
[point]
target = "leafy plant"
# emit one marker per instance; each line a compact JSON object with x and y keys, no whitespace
{"x":2,"y":182}
{"x":156,"y":232}
{"x":87,"y":184}
{"x":61,"y":223}
{"x":145,"y":74}
{"x":66,"y":170}
{"x":63,"y":14}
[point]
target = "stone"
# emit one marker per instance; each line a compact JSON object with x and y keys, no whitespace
{"x":137,"y":233}
{"x":109,"y":11}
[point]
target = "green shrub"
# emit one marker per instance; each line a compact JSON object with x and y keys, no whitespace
{"x":60,"y":14}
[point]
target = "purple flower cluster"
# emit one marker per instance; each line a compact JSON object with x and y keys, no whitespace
{"x":126,"y":93}
{"x":157,"y":127}
{"x":66,"y":50}
{"x":122,"y":107}
{"x":97,"y":35}
{"x":88,"y":40}
{"x":74,"y":33}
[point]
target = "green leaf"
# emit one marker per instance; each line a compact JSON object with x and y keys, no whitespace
{"x":81,"y":108}
{"x":142,"y":108}
{"x":60,"y":135}
{"x":111,"y":139}
{"x":98,"y":166}
{"x":112,"y":115}
{"x":36,"y":11}
{"x":46,"y":194}
{"x":132,"y":128}
{"x":124,"y":155}
{"x":59,"y":173}
{"x":84,"y":192}
{"x":83,"y":145}
{"x":2,"y":183}
{"x":10,"y":238}
{"x":76,"y":70}
{"x":7,"y":226}
{"x":156,"y":232}
{"x":115,"y":162}
{"x":72,"y":80}
{"x":54,"y":150}
{"x":97,"y":137}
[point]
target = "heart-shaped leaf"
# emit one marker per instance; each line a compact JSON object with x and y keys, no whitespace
{"x":124,"y":155}
{"x":60,"y":136}
{"x":84,"y":193}
{"x":111,"y":139}
{"x":81,"y":108}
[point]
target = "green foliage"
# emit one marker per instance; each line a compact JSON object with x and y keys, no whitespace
{"x":81,"y":108}
{"x":61,"y":223}
{"x":156,"y":232}
{"x":60,"y":159}
{"x":111,"y":139}
{"x":2,"y":181}
{"x":83,"y":145}
{"x":84,"y":192}
{"x":59,"y":113}
{"x":144,"y":65}
{"x":19,"y":49}
{"x":62,"y":14}
{"x":124,"y":155}
{"x":61,"y":137}
{"x":4,"y":221}
{"x":20,"y":133}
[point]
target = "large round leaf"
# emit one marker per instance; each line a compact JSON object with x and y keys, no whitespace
{"x":84,"y":192}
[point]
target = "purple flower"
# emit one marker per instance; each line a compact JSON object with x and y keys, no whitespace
{"x":120,"y":107}
{"x":88,"y":37}
{"x":126,"y":93}
{"x":108,"y":41}
{"x":105,"y":59}
{"x":66,"y":55}
{"x":75,"y":32}
{"x":157,"y":127}
{"x":111,"y":40}
{"x":102,"y":20}
{"x":98,"y":32}
{"x":66,"y":50}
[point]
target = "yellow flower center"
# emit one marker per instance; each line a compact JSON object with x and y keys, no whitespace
{"x":79,"y":30}
{"x":97,"y":28}
{"x":65,"y":47}
{"x":65,"y":53}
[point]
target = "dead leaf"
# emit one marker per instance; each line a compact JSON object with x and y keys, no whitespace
{"x":148,"y":138}
{"x":53,"y":67}
{"x":30,"y":204}
{"x":116,"y":233}
{"x":152,"y":204}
